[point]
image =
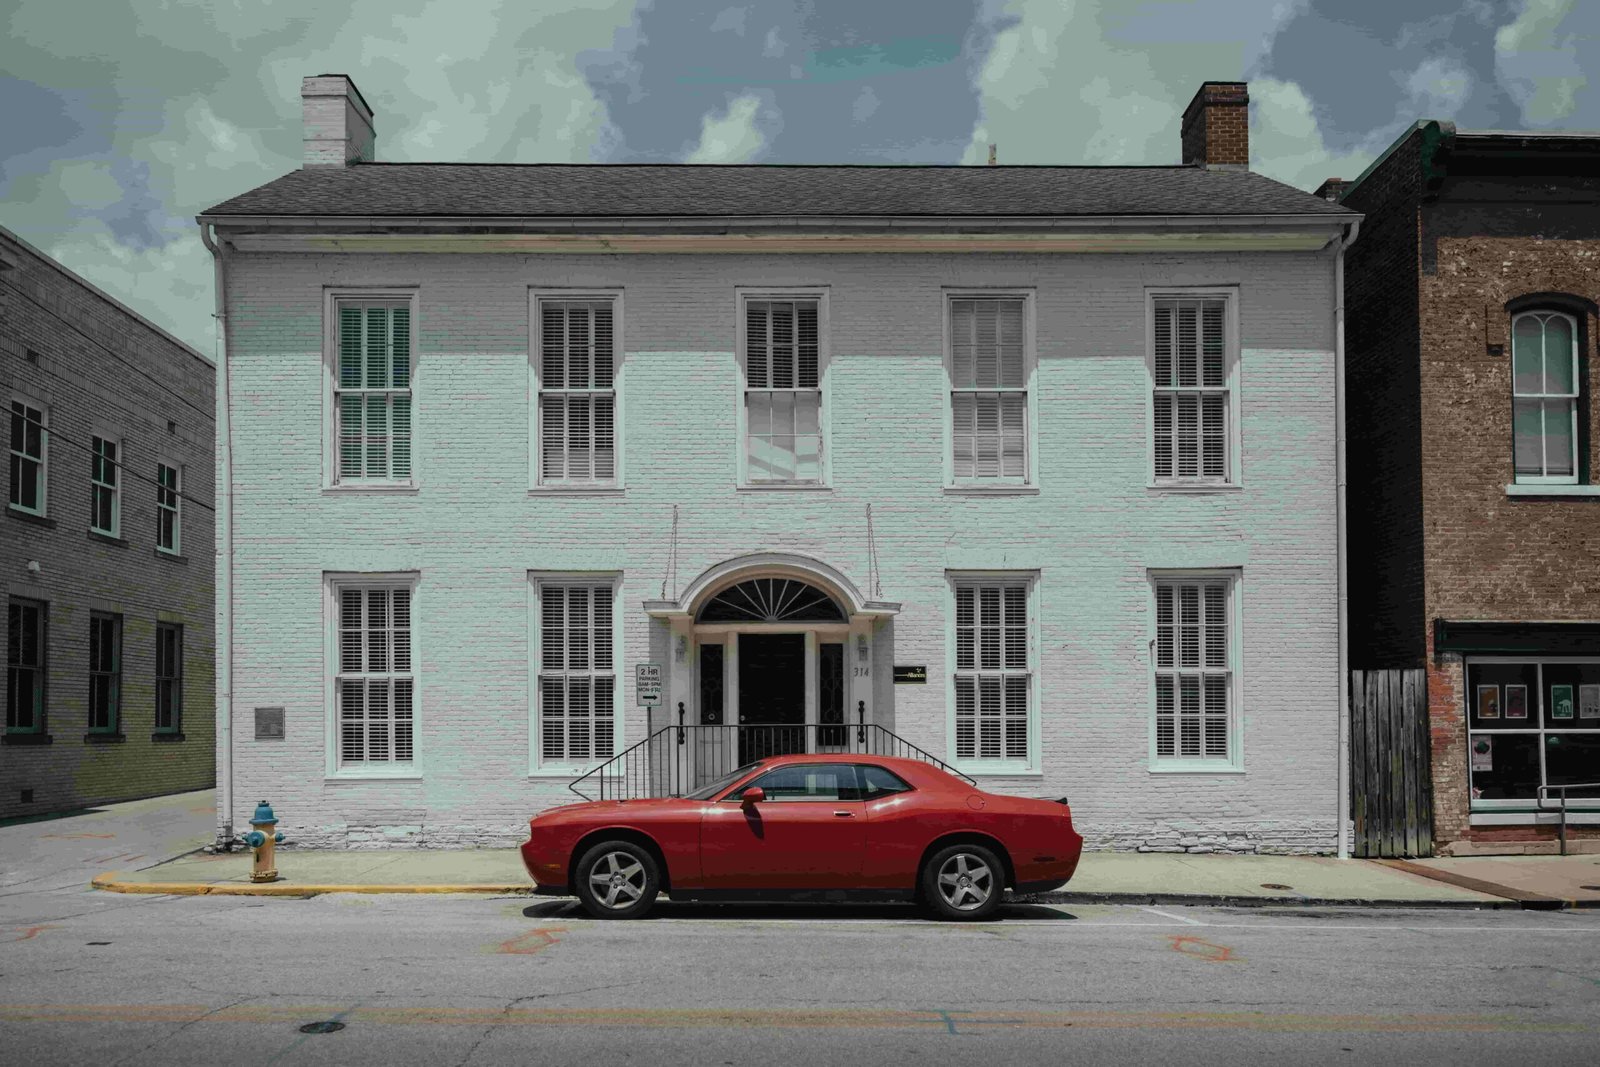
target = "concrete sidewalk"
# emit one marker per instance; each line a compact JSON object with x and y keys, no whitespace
{"x":1103,"y":877}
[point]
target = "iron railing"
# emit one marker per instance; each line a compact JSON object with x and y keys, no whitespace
{"x":675,"y":760}
{"x":1562,"y":789}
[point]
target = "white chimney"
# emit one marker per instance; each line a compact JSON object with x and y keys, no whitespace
{"x":338,"y":122}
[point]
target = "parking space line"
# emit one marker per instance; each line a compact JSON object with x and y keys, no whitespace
{"x":1170,"y":915}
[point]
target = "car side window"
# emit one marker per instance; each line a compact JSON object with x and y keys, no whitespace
{"x":877,"y":782}
{"x":807,"y":782}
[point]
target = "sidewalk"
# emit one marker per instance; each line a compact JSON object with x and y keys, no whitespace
{"x":1103,"y":877}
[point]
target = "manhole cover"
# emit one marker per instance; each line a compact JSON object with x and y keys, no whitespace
{"x":326,"y":1026}
{"x":1275,"y":885}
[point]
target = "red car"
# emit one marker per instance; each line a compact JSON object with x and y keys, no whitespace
{"x":812,"y":826}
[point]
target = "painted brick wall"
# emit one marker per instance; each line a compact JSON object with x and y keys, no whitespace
{"x":473,"y":531}
{"x":98,"y":368}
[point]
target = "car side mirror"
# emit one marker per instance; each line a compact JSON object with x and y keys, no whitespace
{"x":752,"y":796}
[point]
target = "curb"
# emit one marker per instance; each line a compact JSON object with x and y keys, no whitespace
{"x":1222,"y":900}
{"x":109,"y":883}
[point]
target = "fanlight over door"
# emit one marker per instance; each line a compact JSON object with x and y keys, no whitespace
{"x":772,"y":600}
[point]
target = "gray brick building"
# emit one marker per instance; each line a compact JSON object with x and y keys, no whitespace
{"x":106,"y":546}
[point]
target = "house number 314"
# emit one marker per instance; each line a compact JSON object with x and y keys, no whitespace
{"x":862,"y":672}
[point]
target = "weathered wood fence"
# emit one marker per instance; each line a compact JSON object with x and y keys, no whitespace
{"x":1391,"y":779}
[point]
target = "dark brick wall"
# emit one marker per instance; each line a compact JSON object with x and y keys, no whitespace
{"x":95,"y":366}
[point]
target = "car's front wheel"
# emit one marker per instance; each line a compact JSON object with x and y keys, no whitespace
{"x":962,"y":882}
{"x":617,"y":880}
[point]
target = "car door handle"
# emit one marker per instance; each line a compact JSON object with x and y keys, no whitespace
{"x":845,"y":814}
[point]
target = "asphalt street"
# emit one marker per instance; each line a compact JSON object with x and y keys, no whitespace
{"x":111,"y":979}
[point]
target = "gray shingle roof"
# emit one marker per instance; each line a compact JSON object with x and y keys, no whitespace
{"x":680,"y":190}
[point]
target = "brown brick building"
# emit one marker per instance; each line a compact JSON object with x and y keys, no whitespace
{"x":105,"y":546}
{"x":1474,"y":465}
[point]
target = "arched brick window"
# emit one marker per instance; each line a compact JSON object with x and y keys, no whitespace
{"x":1546,"y":387}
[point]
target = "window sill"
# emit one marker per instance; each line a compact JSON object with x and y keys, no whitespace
{"x":34,"y":517}
{"x":334,"y":490}
{"x":162,"y":553}
{"x":1176,"y":767}
{"x":406,"y":775}
{"x":167,"y":736}
{"x":104,"y":739}
{"x":577,"y":490}
{"x":567,"y":772}
{"x":27,"y":739}
{"x":783,"y":487}
{"x":106,"y":538}
{"x":991,"y":490}
{"x":997,"y":770}
{"x":1194,"y":487}
{"x":1552,"y":489}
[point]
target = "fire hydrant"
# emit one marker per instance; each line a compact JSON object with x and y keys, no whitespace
{"x":263,"y":839}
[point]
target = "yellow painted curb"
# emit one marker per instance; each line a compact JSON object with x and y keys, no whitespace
{"x":110,"y":884}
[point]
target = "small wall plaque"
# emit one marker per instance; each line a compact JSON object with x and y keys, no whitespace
{"x":269,"y":724}
{"x":909,"y":675}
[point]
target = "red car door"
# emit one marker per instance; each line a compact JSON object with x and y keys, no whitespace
{"x":809,"y":832}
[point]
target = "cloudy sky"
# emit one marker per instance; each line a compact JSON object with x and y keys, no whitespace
{"x":120,"y":121}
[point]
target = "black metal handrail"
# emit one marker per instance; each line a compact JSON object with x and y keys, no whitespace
{"x":676,"y":760}
{"x":1562,"y":826}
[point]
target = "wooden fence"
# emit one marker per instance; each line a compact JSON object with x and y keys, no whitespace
{"x":1391,"y":783}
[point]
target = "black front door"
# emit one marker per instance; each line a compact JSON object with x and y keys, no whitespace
{"x":772,"y":695}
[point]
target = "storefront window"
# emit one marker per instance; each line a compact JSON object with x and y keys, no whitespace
{"x":1532,"y":723}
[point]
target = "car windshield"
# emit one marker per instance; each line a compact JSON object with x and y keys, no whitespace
{"x":711,"y":789}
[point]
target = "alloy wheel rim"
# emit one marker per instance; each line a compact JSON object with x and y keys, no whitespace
{"x":617,"y":880}
{"x":965,"y":882}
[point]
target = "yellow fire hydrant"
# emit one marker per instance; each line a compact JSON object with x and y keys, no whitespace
{"x":264,"y":840}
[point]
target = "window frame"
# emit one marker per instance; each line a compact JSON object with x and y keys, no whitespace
{"x":32,"y":403}
{"x":537,"y":582}
{"x":119,"y":467}
{"x":1577,"y":397}
{"x":1029,"y":483}
{"x":979,"y":767}
{"x":737,"y":794}
{"x":113,"y":725}
{"x":1580,"y":806}
{"x":743,"y":295}
{"x":167,"y":462}
{"x":536,"y":298}
{"x":333,"y":583}
{"x":333,"y":299}
{"x":1233,"y":351}
{"x":1234,"y":763}
{"x":40,"y":727}
{"x":173,"y":680}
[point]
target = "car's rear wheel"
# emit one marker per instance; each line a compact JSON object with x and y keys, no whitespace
{"x":617,"y":880}
{"x":962,"y":882}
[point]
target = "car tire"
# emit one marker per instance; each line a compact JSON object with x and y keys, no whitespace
{"x":962,"y":883}
{"x":617,"y":880}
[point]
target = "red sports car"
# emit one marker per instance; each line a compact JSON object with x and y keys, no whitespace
{"x":812,"y":826}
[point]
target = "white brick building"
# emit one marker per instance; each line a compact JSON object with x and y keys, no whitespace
{"x":500,"y":434}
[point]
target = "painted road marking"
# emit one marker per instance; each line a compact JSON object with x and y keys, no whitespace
{"x":1170,"y":915}
{"x":31,"y":932}
{"x":532,"y":942}
{"x":1200,"y":950}
{"x":932,"y":1021}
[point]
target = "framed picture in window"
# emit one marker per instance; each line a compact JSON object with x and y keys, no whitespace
{"x":1516,"y":702}
{"x":1589,"y":701}
{"x":1488,"y":701}
{"x":1561,"y":701}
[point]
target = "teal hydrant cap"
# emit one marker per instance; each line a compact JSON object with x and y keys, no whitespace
{"x":263,"y":813}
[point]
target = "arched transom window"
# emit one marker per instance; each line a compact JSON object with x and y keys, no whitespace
{"x":772,"y":600}
{"x":1545,"y":387}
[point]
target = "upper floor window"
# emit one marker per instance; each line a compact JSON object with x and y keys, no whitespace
{"x":28,"y":440}
{"x":1194,"y":409}
{"x":372,"y":399}
{"x":169,"y":508}
{"x":991,"y":364}
{"x":1546,"y":388}
{"x":105,"y":492}
{"x":576,"y":372}
{"x":783,"y":367}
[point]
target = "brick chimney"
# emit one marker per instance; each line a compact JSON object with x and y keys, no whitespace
{"x":1216,"y":126}
{"x":1333,"y":189}
{"x":338,"y":122}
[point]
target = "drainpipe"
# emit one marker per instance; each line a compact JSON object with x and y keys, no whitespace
{"x":224,"y":536}
{"x":1341,"y":513}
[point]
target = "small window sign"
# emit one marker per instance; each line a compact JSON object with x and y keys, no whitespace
{"x":647,"y":684}
{"x":905,"y":674}
{"x":269,"y":724}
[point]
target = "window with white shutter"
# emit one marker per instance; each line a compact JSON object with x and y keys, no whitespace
{"x":995,"y":703}
{"x":990,"y":368}
{"x":783,"y":365}
{"x":576,"y":717}
{"x":1193,"y":404}
{"x":375,"y":685}
{"x":576,"y":367}
{"x":372,"y":392}
{"x":1194,"y":662}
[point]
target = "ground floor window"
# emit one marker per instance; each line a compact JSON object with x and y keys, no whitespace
{"x":995,"y":708}
{"x":1531,"y":723}
{"x":169,"y":677}
{"x":1195,"y":665}
{"x":105,"y":672}
{"x":575,"y":656}
{"x":374,"y":690}
{"x":25,"y":645}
